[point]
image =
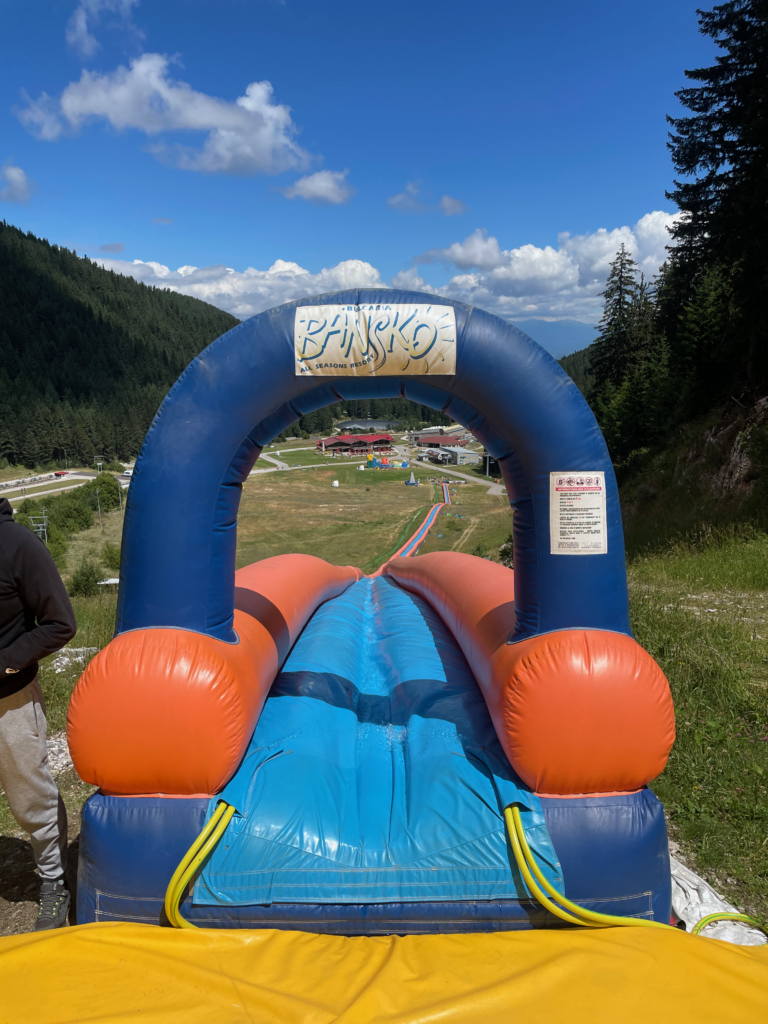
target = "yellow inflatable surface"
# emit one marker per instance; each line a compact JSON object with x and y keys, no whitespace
{"x":121,"y":972}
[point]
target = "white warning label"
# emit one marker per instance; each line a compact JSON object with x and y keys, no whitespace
{"x":577,"y":519}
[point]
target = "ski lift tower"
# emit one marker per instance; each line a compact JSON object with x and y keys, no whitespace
{"x":40,"y":526}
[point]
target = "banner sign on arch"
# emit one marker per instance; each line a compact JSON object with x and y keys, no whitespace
{"x":577,"y":513}
{"x":397,"y":339}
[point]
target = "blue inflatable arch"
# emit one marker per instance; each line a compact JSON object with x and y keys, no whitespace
{"x":178,"y":554}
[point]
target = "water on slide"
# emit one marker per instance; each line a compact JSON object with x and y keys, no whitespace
{"x":374,"y":773}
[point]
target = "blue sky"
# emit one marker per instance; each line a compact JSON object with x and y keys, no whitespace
{"x":495,"y":151}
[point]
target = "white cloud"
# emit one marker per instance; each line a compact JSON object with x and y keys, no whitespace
{"x":546,"y":282}
{"x":321,"y":187}
{"x":86,"y":15}
{"x":406,"y":201}
{"x":409,"y":281}
{"x":453,"y":207}
{"x":41,"y":116}
{"x":478,"y":250}
{"x":115,"y":247}
{"x":18,"y":188}
{"x":244,"y":293}
{"x":529,"y":281}
{"x":251,"y":135}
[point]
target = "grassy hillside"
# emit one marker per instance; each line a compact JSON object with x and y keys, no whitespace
{"x":86,"y":355}
{"x":701,"y":609}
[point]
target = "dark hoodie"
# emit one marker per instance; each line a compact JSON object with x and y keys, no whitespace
{"x":36,"y":617}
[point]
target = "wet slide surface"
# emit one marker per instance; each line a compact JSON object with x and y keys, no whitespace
{"x":374,"y":773}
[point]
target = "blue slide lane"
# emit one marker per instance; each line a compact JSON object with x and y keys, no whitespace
{"x":374,"y":774}
{"x":421,"y":533}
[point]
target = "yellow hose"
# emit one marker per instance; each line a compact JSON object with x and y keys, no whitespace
{"x":726,"y":916}
{"x":528,"y":868}
{"x":195,"y":856}
{"x":534,"y":878}
{"x":210,"y":826}
{"x":522,"y":864}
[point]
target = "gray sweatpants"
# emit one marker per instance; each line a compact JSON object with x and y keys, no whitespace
{"x":34,"y":800}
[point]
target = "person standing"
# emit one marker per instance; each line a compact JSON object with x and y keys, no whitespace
{"x":36,"y":619}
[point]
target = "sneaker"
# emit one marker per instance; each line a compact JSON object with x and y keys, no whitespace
{"x":54,"y":906}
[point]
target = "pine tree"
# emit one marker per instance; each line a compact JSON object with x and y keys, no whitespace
{"x":702,"y":336}
{"x":614,"y":346}
{"x":723,"y":147}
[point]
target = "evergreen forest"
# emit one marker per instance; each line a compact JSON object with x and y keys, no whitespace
{"x":86,"y":355}
{"x":695,"y":336}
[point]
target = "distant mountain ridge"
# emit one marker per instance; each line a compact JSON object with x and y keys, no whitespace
{"x":558,"y":337}
{"x":86,"y":355}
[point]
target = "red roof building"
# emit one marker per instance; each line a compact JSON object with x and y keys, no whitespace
{"x":356,"y":444}
{"x":434,"y":441}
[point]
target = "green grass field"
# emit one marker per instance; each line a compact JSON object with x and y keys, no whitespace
{"x":300,"y":458}
{"x":703,"y":614}
{"x":476,"y":523}
{"x":359,"y":523}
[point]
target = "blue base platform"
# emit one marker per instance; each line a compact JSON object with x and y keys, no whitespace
{"x":613,"y":854}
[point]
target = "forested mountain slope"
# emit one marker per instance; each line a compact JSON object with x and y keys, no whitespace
{"x":86,"y":355}
{"x":578,"y":367}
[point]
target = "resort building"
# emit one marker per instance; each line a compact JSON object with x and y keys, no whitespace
{"x":356,"y":444}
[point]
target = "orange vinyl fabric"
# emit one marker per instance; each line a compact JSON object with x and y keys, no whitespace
{"x":577,"y":711}
{"x":170,"y":711}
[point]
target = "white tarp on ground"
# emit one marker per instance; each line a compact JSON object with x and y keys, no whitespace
{"x":693,"y":899}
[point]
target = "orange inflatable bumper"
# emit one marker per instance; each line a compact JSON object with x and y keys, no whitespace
{"x":170,"y":711}
{"x":577,"y":711}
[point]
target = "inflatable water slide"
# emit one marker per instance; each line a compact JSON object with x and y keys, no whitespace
{"x":446,"y":746}
{"x":419,"y":796}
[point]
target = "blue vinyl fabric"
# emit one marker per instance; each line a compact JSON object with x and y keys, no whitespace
{"x":613,"y":852}
{"x":242,"y":391}
{"x":374,"y":773}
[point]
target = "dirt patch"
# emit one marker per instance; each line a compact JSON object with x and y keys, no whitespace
{"x":20,"y":883}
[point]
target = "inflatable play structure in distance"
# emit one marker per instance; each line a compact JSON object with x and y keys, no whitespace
{"x":445,"y":746}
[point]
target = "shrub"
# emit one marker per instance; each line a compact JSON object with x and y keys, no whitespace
{"x":109,"y":493}
{"x":85,"y":579}
{"x":69,"y":512}
{"x":110,"y":556}
{"x":57,"y":545}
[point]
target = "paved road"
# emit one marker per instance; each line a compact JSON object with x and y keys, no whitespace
{"x":277,"y":462}
{"x":494,"y":487}
{"x":33,"y":490}
{"x":42,"y":494}
{"x":282,"y":466}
